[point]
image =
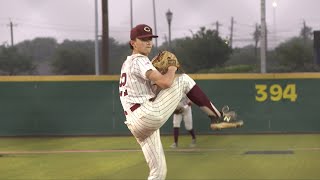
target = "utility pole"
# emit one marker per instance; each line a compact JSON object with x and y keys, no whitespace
{"x":217,"y":27}
{"x":11,"y":31}
{"x":231,"y":32}
{"x":169,"y":15}
{"x":316,"y":46}
{"x":304,"y":32}
{"x":257,"y":37}
{"x":105,"y":38}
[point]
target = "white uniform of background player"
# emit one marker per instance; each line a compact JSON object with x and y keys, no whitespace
{"x":145,"y":111}
{"x":183,"y":112}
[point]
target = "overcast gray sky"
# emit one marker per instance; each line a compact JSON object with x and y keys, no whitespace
{"x":74,"y":19}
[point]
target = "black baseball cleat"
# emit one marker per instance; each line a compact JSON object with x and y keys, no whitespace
{"x":224,"y":123}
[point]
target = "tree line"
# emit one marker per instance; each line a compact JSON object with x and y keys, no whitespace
{"x":204,"y":52}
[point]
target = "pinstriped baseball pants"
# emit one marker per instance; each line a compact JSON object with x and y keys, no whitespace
{"x":144,"y":124}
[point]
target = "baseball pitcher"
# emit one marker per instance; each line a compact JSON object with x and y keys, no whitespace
{"x":145,"y":111}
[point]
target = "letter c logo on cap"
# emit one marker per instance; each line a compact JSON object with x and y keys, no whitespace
{"x":147,"y":29}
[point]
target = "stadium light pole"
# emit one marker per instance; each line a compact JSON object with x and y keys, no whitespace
{"x":96,"y":45}
{"x":131,"y":15}
{"x":274,"y":5}
{"x":169,"y":19}
{"x":263,"y":41}
{"x":155,"y":22}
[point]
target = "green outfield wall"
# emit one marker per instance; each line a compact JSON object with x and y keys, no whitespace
{"x":89,"y":105}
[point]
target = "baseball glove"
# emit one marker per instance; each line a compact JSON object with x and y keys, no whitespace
{"x":163,"y":60}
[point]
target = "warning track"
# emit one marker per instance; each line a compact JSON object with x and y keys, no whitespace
{"x":138,"y":150}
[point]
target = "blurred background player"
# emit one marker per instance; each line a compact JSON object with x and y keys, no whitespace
{"x":183,"y":112}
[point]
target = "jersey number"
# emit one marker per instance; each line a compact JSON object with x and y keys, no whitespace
{"x":123,"y":81}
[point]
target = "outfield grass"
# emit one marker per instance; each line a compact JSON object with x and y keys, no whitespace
{"x":216,"y":157}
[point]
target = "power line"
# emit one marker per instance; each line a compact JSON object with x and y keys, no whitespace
{"x":38,"y":26}
{"x":54,"y":28}
{"x":30,"y":21}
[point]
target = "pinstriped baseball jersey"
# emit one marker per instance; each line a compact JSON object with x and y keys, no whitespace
{"x":134,"y":87}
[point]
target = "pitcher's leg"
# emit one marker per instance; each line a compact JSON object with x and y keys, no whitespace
{"x":154,"y":155}
{"x":197,"y":96}
{"x":158,"y":111}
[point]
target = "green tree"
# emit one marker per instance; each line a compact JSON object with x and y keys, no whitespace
{"x":78,"y":57}
{"x":14,"y":63}
{"x":243,"y":55}
{"x":40,"y":49}
{"x":118,"y":54}
{"x":74,"y":58}
{"x":204,"y":50}
{"x":296,"y":55}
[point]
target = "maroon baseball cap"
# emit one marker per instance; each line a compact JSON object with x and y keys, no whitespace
{"x":141,"y":31}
